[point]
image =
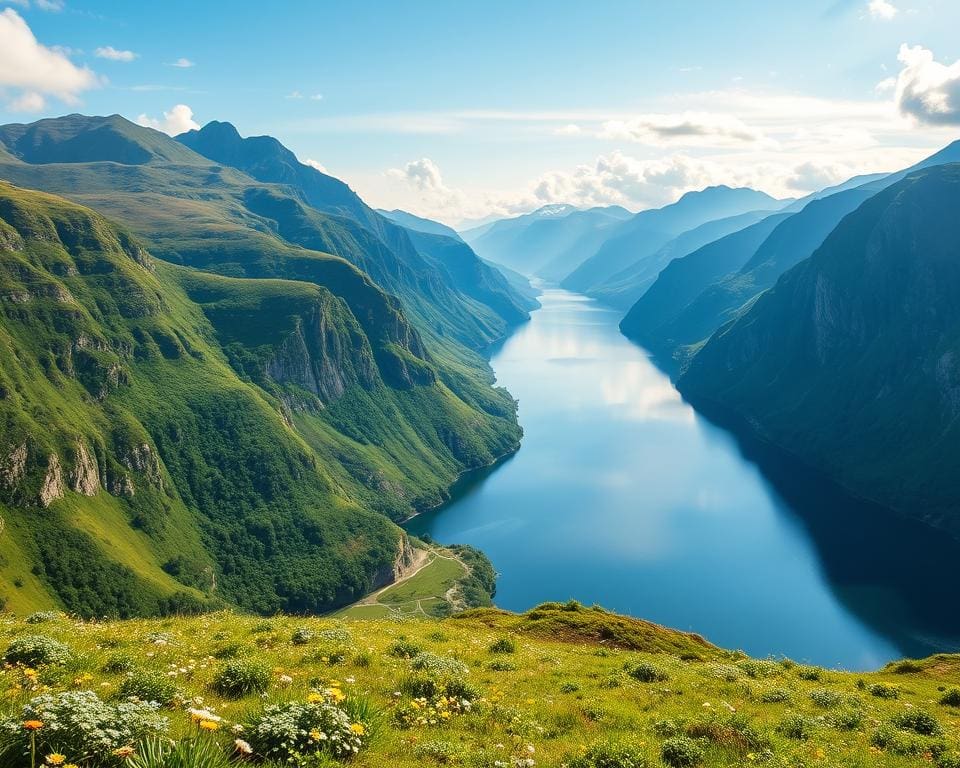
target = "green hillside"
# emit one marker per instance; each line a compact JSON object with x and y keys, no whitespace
{"x":562,"y":685}
{"x":849,"y":361}
{"x":172,"y":439}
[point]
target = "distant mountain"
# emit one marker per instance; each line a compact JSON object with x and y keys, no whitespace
{"x":683,"y":279}
{"x":547,"y":242}
{"x":625,"y":287}
{"x":410,"y":272}
{"x":419,"y":224}
{"x":852,"y":360}
{"x":642,"y":235}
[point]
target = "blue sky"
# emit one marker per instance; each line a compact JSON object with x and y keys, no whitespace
{"x":458,"y":110}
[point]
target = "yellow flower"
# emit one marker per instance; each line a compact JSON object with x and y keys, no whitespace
{"x":208,"y":725}
{"x":33,"y":725}
{"x":315,"y":734}
{"x":123,"y":751}
{"x":56,"y":759}
{"x":313,"y":697}
{"x":358,"y":729}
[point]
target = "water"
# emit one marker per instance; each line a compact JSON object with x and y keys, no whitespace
{"x":624,"y":496}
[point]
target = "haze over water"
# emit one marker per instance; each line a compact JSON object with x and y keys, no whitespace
{"x":624,"y":496}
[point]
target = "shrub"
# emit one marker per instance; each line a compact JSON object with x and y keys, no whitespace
{"x":736,"y":734}
{"x":810,"y":673}
{"x":951,"y":698}
{"x":501,"y":665}
{"x":503,"y":645}
{"x":238,"y":678}
{"x":336,"y":635}
{"x":302,"y":636}
{"x":759,"y":668}
{"x":907,"y":667}
{"x":681,"y":752}
{"x":776,"y":696}
{"x":149,"y":686}
{"x":228,"y":650}
{"x":847,"y":719}
{"x":41,"y":617}
{"x":197,"y":752}
{"x":609,"y":754}
{"x":439,"y":665}
{"x":282,"y":732}
{"x":887,"y":738}
{"x":726,"y":672}
{"x":918,"y":721}
{"x":646,"y":672}
{"x":569,"y":687}
{"x":667,"y":727}
{"x":36,"y":650}
{"x":405,"y":649}
{"x":884,"y":691}
{"x":796,"y":727}
{"x":119,"y":662}
{"x":442,"y":752}
{"x":79,"y":723}
{"x":825,"y":698}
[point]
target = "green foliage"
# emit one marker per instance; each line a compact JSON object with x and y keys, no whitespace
{"x":918,"y":721}
{"x":503,"y":645}
{"x":884,"y":691}
{"x":151,"y":686}
{"x":241,"y":677}
{"x":195,"y":752}
{"x":646,"y":672}
{"x":36,"y":651}
{"x":681,"y":752}
{"x":285,"y":732}
{"x":775,"y":696}
{"x":796,"y":726}
{"x":951,"y":698}
{"x":825,"y":698}
{"x":405,"y":649}
{"x":610,"y":754}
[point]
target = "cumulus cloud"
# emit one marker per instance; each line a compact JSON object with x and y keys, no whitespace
{"x":182,"y":63}
{"x":178,"y":120}
{"x":883,"y":10}
{"x":688,"y":128}
{"x":813,"y":175}
{"x":314,"y":164}
{"x":33,"y":70}
{"x":113,"y":54}
{"x":28,"y":101}
{"x":926,"y":90}
{"x":54,"y":6}
{"x":570,"y":129}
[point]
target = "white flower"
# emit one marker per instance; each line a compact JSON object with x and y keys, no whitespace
{"x":242,"y":747}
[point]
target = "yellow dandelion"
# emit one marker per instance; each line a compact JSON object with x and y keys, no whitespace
{"x":33,"y":725}
{"x":358,"y":729}
{"x":208,"y":725}
{"x":56,"y":759}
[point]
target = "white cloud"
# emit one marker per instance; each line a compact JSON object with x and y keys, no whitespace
{"x":570,"y":129}
{"x":314,"y":164}
{"x":812,"y":175}
{"x":294,"y":95}
{"x":54,"y":6}
{"x":301,"y":95}
{"x":111,"y":53}
{"x":882,"y":10}
{"x":28,"y":101}
{"x":685,"y":129}
{"x":35,"y":70}
{"x":926,"y":90}
{"x":183,"y":63}
{"x":178,"y":120}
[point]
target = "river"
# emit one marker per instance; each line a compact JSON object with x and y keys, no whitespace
{"x":623,"y":495}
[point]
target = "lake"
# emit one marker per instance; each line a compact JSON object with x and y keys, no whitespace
{"x":623,"y":495}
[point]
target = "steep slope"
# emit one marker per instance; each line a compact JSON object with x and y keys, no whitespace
{"x":411,"y":272}
{"x":624,"y":288}
{"x":793,"y":240}
{"x":851,"y":360}
{"x":648,"y":231}
{"x":418,"y":223}
{"x":683,"y":279}
{"x":140,"y":472}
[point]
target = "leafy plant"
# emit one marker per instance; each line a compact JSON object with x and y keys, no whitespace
{"x":610,"y":754}
{"x":646,"y":672}
{"x":296,"y":732}
{"x":241,"y":677}
{"x":681,"y":752}
{"x":36,"y":651}
{"x":149,"y":685}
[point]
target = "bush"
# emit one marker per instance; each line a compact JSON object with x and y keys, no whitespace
{"x":119,"y":662}
{"x":302,"y":636}
{"x":335,"y":635}
{"x":903,"y":744}
{"x":79,"y":723}
{"x":847,"y":719}
{"x":884,"y":691}
{"x":609,"y":754}
{"x":439,"y":665}
{"x":569,"y":687}
{"x":442,"y":752}
{"x":810,"y":673}
{"x":149,"y":686}
{"x":503,"y":645}
{"x":36,"y":650}
{"x":776,"y":696}
{"x":197,"y":752}
{"x":501,"y":665}
{"x":238,"y":678}
{"x":681,"y":752}
{"x":41,"y":617}
{"x":796,"y":727}
{"x":228,"y":650}
{"x":918,"y":721}
{"x":281,"y":732}
{"x":825,"y":698}
{"x":405,"y":649}
{"x":951,"y":698}
{"x":759,"y":668}
{"x":646,"y":672}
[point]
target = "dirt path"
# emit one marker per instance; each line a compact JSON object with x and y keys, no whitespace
{"x":421,"y":559}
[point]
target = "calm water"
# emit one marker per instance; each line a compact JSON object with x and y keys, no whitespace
{"x":623,"y":495}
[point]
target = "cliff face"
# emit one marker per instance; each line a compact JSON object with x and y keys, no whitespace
{"x":850,"y":361}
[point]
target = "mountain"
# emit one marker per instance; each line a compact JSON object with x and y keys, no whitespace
{"x":684,"y":278}
{"x":852,"y":360}
{"x":418,"y":223}
{"x":413,"y":273}
{"x":642,"y":235}
{"x":380,"y":396}
{"x":624,"y":288}
{"x":548,"y":242}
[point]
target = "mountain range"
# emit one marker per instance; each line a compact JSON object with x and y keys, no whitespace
{"x":223,"y":374}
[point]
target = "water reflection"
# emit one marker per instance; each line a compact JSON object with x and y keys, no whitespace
{"x":623,"y":495}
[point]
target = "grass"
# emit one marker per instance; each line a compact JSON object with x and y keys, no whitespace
{"x":564,"y":694}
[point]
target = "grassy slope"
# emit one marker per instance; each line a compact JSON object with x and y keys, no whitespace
{"x":564,"y":687}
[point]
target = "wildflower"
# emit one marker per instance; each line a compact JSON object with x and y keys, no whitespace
{"x":56,"y":759}
{"x":315,"y":734}
{"x":208,"y":725}
{"x":33,"y":725}
{"x":358,"y":729}
{"x":242,"y":747}
{"x":285,"y":679}
{"x":123,"y":751}
{"x":313,"y":697}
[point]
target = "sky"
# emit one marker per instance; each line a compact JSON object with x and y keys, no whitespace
{"x":460,"y":111}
